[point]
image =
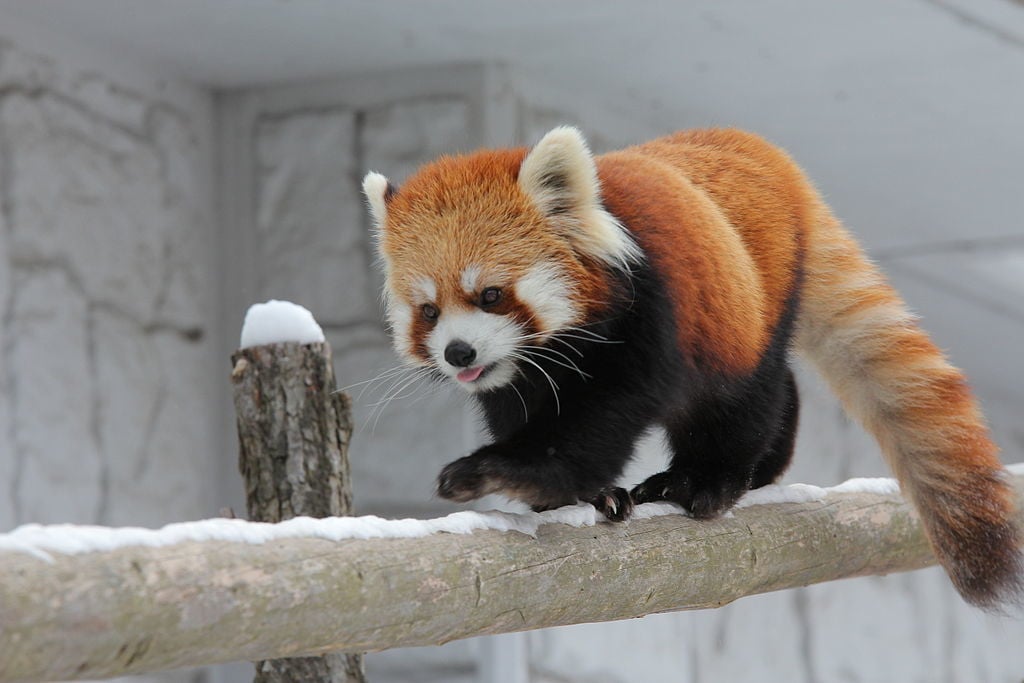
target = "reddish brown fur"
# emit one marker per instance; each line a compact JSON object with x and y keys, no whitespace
{"x":892,"y":377}
{"x":719,"y":212}
{"x":720,"y":322}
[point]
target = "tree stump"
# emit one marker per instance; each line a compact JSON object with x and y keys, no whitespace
{"x":293,"y":433}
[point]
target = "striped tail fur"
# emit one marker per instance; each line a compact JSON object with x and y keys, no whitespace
{"x":892,"y":378}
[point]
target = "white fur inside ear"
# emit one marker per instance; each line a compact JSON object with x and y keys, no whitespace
{"x":559,"y":172}
{"x":375,"y":187}
{"x":560,"y":176}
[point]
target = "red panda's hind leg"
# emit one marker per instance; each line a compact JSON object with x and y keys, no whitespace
{"x":773,"y":465}
{"x":727,"y":445}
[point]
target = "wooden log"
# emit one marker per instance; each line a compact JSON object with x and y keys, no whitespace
{"x":141,"y":609}
{"x":293,"y":432}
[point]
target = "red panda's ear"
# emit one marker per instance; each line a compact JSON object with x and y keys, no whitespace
{"x":559,"y":173}
{"x":378,"y":191}
{"x":560,"y":177}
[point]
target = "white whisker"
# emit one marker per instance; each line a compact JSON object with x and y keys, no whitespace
{"x":554,"y":385}
{"x":395,"y":394}
{"x":368,"y":385}
{"x":568,"y":364}
{"x":526,"y":413}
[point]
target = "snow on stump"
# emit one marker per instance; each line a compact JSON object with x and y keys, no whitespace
{"x":293,"y":433}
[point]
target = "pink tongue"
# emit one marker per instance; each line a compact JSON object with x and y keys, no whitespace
{"x":469,"y":374}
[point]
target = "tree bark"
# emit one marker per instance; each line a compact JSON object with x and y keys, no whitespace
{"x":293,"y":433}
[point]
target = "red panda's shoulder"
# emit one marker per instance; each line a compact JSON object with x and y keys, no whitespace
{"x":712,"y":280}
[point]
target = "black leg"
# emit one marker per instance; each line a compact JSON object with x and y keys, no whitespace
{"x":775,"y":462}
{"x":719,"y":446}
{"x":577,"y":457}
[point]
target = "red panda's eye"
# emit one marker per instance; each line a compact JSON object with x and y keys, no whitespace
{"x":430,"y":311}
{"x":490,"y":296}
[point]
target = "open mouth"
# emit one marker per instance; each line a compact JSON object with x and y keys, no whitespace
{"x":470,"y":375}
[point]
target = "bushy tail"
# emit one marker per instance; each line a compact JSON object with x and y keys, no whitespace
{"x":892,"y":378}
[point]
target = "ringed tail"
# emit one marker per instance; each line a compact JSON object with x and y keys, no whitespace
{"x":892,"y":378}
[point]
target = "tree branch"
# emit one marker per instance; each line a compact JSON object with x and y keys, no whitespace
{"x":140,"y":609}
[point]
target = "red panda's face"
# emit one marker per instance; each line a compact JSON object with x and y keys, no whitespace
{"x":474,"y":276}
{"x":477,"y":327}
{"x":480,"y":270}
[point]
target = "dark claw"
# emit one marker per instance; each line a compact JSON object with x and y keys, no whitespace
{"x":663,"y":486}
{"x":614,"y":503}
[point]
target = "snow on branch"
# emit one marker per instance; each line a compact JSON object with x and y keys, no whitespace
{"x":86,"y":603}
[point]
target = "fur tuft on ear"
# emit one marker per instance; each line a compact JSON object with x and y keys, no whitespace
{"x":560,"y":177}
{"x":378,"y":191}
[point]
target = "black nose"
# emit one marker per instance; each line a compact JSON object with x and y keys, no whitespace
{"x":460,"y":354}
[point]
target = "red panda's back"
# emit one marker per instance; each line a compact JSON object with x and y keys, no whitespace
{"x":722,"y":213}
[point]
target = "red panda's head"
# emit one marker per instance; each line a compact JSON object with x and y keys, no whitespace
{"x":490,"y":253}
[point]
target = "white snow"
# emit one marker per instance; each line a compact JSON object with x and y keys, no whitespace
{"x":808,"y":493}
{"x":774,"y":493}
{"x":881,"y":486}
{"x":69,"y":539}
{"x":275,"y":322}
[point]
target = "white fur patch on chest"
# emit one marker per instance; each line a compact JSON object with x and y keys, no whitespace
{"x":548,"y":293}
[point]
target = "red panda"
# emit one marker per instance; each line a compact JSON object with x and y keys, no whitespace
{"x":583,"y":300}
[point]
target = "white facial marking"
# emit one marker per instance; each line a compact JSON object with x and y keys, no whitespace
{"x":548,"y":294}
{"x":470,"y":278}
{"x":425,"y":289}
{"x":493,"y":337}
{"x":399,"y":316}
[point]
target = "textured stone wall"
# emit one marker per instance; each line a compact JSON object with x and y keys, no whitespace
{"x":106,"y":301}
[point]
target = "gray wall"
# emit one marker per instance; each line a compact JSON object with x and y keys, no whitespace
{"x":107,"y":297}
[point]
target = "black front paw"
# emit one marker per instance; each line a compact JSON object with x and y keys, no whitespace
{"x":466,"y":479}
{"x":704,"y":500}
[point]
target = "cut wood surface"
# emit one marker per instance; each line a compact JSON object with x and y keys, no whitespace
{"x":140,"y":609}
